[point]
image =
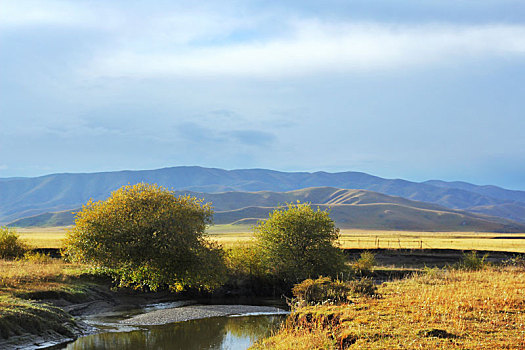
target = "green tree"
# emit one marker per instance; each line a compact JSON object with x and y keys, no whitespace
{"x":10,"y":245}
{"x":148,"y":237}
{"x":298,"y":242}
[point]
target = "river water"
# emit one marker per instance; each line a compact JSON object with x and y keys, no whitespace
{"x":216,"y":333}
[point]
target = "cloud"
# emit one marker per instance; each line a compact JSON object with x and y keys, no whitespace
{"x":220,"y":137}
{"x":312,"y":47}
{"x":30,"y":13}
{"x":253,"y":137}
{"x":221,"y":40}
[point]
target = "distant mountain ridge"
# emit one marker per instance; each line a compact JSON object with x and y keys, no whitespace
{"x":23,"y":197}
{"x":348,"y":208}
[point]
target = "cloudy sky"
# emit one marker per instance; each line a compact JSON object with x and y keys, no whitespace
{"x":402,"y":89}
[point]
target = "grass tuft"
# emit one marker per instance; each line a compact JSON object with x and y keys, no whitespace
{"x":472,"y":261}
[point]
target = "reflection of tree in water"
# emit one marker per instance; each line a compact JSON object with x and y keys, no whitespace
{"x":254,"y":327}
{"x":207,"y":333}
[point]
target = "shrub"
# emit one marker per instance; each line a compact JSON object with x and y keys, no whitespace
{"x":365,"y":264}
{"x":324,"y":290}
{"x":38,"y":258}
{"x":149,"y":238}
{"x":244,"y":261}
{"x":516,"y":260}
{"x":363,"y":286}
{"x":321,"y":290}
{"x":471,"y":261}
{"x":298,"y":242}
{"x":10,"y":245}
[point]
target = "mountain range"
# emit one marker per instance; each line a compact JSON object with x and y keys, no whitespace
{"x":348,"y":208}
{"x":239,"y":192}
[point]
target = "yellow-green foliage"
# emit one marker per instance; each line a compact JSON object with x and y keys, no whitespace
{"x":472,"y":261}
{"x":39,"y":258}
{"x":148,"y":237}
{"x":244,"y":260}
{"x":364,"y":264}
{"x":10,"y":245}
{"x":298,"y":242}
{"x":450,"y":309}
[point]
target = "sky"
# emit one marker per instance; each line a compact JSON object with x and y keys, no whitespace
{"x":406,"y":89}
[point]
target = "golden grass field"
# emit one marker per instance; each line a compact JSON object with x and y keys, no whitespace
{"x":42,"y":237}
{"x":437,"y":309}
{"x":228,"y":235}
{"x":21,"y":275}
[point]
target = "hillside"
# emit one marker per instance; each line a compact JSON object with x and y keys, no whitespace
{"x":349,"y":209}
{"x":23,"y":197}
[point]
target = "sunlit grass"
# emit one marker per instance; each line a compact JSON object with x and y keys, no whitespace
{"x":453,"y":309}
{"x":43,"y":237}
{"x":371,"y":239}
{"x":230,"y":235}
{"x":18,"y":275}
{"x":229,"y":229}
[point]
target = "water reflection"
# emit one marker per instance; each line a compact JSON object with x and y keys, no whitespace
{"x":216,"y":333}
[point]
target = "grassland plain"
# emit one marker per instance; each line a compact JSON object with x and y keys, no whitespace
{"x":436,"y":309}
{"x":228,"y":235}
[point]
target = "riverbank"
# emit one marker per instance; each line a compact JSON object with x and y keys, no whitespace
{"x":45,"y":303}
{"x":435,"y":309}
{"x":41,"y":301}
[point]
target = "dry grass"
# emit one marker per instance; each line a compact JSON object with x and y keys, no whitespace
{"x":371,"y":239}
{"x":43,"y":237}
{"x":438,"y":310}
{"x":231,"y":235}
{"x":52,"y":237}
{"x":19,"y":275}
{"x":21,"y":281}
{"x":230,"y":229}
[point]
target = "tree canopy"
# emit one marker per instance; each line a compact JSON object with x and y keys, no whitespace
{"x":298,"y":242}
{"x":148,"y":237}
{"x":10,"y":245}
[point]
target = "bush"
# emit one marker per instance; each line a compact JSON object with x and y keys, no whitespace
{"x":247,"y":275}
{"x":321,"y":290}
{"x":364,"y":265}
{"x":298,"y":242}
{"x":516,"y":260}
{"x":10,"y":245}
{"x":148,"y":238}
{"x":471,"y":261}
{"x":38,"y":258}
{"x":324,"y":290}
{"x":363,"y":286}
{"x":244,"y":261}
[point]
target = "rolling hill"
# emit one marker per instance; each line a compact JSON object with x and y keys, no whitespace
{"x":23,"y":197}
{"x":349,"y":209}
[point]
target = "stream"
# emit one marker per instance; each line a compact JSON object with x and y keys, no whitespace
{"x":232,"y":332}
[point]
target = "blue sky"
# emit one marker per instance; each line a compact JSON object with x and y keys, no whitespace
{"x":407,"y":89}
